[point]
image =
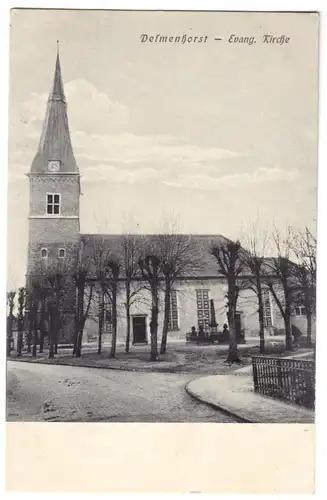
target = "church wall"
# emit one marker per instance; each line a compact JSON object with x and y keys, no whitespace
{"x":66,"y":185}
{"x":53,"y":231}
{"x":187,"y":310}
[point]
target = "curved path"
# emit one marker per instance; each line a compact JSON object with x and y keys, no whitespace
{"x":37,"y":392}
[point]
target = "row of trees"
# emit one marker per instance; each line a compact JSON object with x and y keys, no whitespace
{"x":142,"y":263}
{"x":288,"y":271}
{"x":98,"y":271}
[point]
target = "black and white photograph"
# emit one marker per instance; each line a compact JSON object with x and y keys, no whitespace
{"x":162,"y":190}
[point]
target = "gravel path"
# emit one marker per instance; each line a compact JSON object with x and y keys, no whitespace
{"x":37,"y":392}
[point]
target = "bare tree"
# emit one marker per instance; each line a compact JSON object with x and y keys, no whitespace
{"x":304,"y":246}
{"x":30,"y":321}
{"x":56,"y":284}
{"x":231,"y":266}
{"x":112,"y":278}
{"x":150,"y":267}
{"x":252,"y":254}
{"x":84,"y":289}
{"x":46,"y":299}
{"x":278,"y":278}
{"x":101,"y":312}
{"x":38,"y":297}
{"x":21,"y":319}
{"x":131,"y":251}
{"x":10,"y":319}
{"x":100,"y":256}
{"x":179,"y":258}
{"x":43,"y":314}
{"x":34,"y":298}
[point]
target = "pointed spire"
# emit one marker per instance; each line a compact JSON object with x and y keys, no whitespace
{"x":55,"y":143}
{"x":57,"y":89}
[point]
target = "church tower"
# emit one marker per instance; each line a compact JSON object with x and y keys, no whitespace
{"x":54,"y":195}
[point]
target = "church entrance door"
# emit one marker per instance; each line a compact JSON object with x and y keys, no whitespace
{"x":139,"y":330}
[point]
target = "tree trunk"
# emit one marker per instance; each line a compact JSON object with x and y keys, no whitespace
{"x":128,"y":316}
{"x":9,"y":333}
{"x":309,"y":326}
{"x":42,"y":328}
{"x":34,"y":340}
{"x":287,"y":313}
{"x":288,"y":329}
{"x":30,"y":331}
{"x":100,"y":322}
{"x":20,"y":334}
{"x":19,"y":342}
{"x":232,"y":351}
{"x":232,"y":298}
{"x":51,"y":328}
{"x":261,"y":318}
{"x":75,"y":336}
{"x":79,"y":321}
{"x":56,"y":325}
{"x":114,"y":321}
{"x":78,"y":341}
{"x":154,"y":322}
{"x":166,"y":318}
{"x":32,"y":336}
{"x":42,"y":335}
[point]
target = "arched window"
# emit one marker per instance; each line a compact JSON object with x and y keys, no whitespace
{"x":61,"y":253}
{"x":44,"y":253}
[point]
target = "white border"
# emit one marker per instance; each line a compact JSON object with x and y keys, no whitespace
{"x":279,"y":5}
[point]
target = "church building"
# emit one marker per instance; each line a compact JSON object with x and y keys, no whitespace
{"x":54,"y":235}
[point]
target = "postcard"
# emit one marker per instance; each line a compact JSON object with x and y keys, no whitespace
{"x":162,"y":187}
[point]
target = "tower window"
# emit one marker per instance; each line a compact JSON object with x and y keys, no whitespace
{"x":53,"y":204}
{"x":61,"y":253}
{"x":44,"y":253}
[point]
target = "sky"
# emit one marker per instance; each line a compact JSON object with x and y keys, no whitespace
{"x":220,"y":134}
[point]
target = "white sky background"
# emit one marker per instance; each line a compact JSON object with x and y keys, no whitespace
{"x":217,"y":133}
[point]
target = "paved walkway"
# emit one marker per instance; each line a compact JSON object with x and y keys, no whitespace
{"x":235,"y":395}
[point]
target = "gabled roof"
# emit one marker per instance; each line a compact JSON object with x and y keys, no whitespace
{"x":202,"y":243}
{"x":205,"y":267}
{"x":55,"y":143}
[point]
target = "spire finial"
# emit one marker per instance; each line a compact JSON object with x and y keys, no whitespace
{"x":57,"y":89}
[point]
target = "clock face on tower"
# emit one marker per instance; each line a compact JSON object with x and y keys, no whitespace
{"x":53,"y":166}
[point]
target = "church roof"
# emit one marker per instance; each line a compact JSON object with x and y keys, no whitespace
{"x":206,"y":265}
{"x":55,"y":143}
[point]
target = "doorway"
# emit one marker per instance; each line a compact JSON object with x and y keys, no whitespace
{"x":139,"y":330}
